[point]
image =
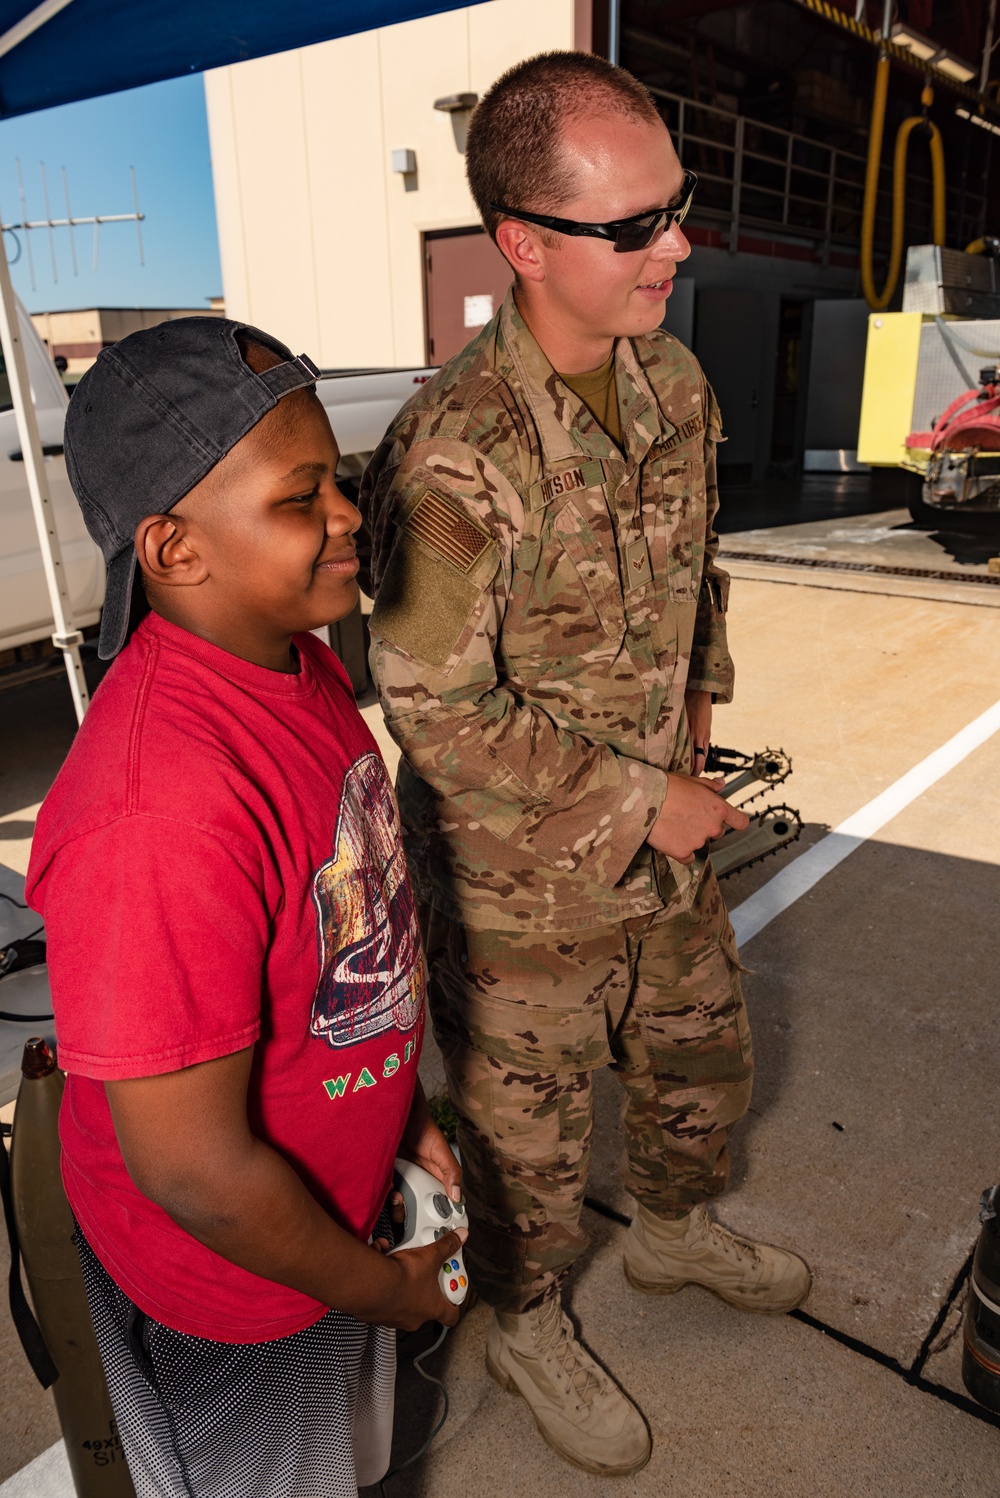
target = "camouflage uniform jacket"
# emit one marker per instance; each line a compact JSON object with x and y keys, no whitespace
{"x":542,"y":601}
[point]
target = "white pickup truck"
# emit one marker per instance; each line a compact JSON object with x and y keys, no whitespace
{"x":360,"y":405}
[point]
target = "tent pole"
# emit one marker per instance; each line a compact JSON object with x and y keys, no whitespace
{"x":66,"y":636}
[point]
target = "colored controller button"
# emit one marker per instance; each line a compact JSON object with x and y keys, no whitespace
{"x":461,"y":1280}
{"x":453,"y":1264}
{"x":453,"y":1284}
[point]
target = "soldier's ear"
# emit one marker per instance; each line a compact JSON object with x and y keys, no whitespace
{"x":522,"y":246}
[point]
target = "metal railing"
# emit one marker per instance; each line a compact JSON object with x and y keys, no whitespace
{"x":754,"y":176}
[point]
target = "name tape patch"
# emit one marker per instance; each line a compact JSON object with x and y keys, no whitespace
{"x":448,"y":532}
{"x":568,"y":481}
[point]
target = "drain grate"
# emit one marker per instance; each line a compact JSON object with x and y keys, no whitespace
{"x":991,"y":579}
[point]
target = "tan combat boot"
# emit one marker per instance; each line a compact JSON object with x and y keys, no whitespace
{"x":663,"y":1256}
{"x":578,"y":1408}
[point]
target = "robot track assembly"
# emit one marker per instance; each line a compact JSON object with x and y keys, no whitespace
{"x":772,"y":827}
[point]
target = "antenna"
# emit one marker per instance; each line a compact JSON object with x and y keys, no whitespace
{"x":69,"y":218}
{"x":138,"y":216}
{"x":23,"y":224}
{"x":48,"y":215}
{"x":70,"y":222}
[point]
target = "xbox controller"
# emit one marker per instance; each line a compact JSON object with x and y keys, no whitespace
{"x":429,"y":1214}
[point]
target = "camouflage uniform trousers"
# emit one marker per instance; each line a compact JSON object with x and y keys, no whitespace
{"x":523,"y":1020}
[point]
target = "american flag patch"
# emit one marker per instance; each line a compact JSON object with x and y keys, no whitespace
{"x":448,"y":532}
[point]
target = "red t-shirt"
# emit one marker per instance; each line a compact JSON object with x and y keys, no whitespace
{"x":219,"y":865}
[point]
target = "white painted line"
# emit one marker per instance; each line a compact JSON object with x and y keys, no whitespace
{"x":799,"y":877}
{"x":48,"y":1476}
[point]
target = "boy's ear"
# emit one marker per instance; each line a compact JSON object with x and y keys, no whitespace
{"x":168,"y":553}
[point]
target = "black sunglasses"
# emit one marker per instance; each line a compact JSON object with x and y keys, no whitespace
{"x":636,"y":233}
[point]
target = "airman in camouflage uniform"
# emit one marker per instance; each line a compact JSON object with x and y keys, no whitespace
{"x":544,"y":601}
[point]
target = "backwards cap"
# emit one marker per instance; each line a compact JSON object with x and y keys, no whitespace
{"x":150,"y":419}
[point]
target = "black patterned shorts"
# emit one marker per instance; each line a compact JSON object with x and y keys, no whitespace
{"x":305,"y":1416}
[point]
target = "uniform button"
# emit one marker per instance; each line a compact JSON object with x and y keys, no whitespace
{"x":442,"y":1205}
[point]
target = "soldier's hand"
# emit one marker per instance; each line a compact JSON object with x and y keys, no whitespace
{"x":699,"y":716}
{"x":693,"y":813}
{"x":416,"y":1295}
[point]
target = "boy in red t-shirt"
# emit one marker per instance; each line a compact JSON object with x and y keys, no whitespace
{"x":236,"y":971}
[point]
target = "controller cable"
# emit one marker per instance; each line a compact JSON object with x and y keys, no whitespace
{"x":417,"y":1363}
{"x":17,"y":955}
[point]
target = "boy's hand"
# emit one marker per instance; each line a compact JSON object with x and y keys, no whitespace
{"x":425,"y":1145}
{"x":244,"y":1201}
{"x":417,"y":1295}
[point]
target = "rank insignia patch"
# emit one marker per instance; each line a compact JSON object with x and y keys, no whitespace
{"x":637,"y":564}
{"x":448,"y":532}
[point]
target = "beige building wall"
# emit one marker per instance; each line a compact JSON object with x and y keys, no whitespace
{"x":79,"y":335}
{"x":320,"y":239}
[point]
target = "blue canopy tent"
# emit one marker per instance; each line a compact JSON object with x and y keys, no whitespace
{"x":64,"y":50}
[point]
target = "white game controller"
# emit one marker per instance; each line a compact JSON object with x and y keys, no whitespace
{"x":430,"y":1213}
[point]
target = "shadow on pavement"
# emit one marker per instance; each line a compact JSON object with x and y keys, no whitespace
{"x":870,"y":1138}
{"x":966,"y":550}
{"x":814,"y":514}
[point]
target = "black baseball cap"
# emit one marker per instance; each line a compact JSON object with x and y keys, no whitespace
{"x":150,"y":419}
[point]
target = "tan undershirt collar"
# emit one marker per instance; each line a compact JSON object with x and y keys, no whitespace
{"x":597,"y":389}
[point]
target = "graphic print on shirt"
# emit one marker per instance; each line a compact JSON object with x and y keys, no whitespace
{"x":371,"y":976}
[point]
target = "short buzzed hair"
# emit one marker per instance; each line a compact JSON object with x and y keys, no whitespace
{"x":513,"y":152}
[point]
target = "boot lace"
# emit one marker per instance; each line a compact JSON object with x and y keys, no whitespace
{"x":557,"y":1342}
{"x":740,"y":1249}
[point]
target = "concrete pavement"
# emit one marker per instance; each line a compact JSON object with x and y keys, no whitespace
{"x":874,"y":1125}
{"x":740,"y":1406}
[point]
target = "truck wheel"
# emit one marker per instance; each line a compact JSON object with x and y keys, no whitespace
{"x":933,"y":518}
{"x":921,"y":513}
{"x":955,"y":522}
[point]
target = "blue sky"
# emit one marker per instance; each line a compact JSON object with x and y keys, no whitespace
{"x":162,"y":131}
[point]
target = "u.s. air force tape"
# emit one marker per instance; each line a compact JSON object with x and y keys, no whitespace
{"x":685,"y":431}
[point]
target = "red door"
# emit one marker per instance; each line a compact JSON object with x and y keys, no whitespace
{"x":465,"y":280}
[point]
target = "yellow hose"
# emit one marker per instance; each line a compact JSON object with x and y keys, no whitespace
{"x":872,"y":297}
{"x":871,"y":181}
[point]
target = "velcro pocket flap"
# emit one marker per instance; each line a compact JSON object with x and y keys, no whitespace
{"x":441,"y":563}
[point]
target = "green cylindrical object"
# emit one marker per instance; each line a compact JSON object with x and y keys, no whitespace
{"x":45,"y":1230}
{"x":981,"y":1350}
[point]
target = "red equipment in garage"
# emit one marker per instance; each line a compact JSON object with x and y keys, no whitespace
{"x":962,"y":478}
